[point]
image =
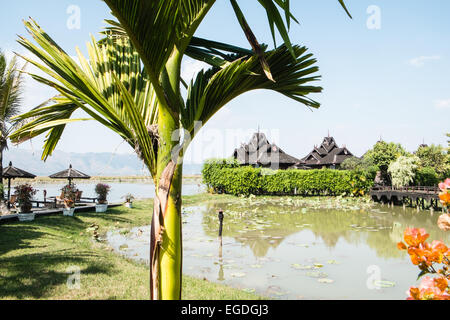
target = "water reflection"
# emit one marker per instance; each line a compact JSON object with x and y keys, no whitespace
{"x":294,"y":250}
{"x":261,"y":227}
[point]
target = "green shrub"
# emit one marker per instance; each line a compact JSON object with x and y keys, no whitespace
{"x":225,"y":176}
{"x":212,"y":170}
{"x":426,"y":177}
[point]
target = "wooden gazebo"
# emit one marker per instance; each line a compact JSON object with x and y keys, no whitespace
{"x":11,"y":172}
{"x":70,"y":174}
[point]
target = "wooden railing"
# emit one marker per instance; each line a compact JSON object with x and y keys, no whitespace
{"x":415,"y":189}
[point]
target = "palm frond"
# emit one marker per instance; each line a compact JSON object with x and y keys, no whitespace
{"x":345,"y":8}
{"x":216,"y":54}
{"x":211,"y":52}
{"x":213,"y":88}
{"x":252,"y":39}
{"x":11,"y":89}
{"x":107,"y":86}
{"x":155,"y":27}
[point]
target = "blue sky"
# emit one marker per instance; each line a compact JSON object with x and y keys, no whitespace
{"x":391,"y":82}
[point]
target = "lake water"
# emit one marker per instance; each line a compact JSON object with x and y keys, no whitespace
{"x":140,"y":190}
{"x":296,"y":249}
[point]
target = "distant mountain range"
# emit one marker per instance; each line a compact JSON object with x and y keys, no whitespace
{"x":93,"y":164}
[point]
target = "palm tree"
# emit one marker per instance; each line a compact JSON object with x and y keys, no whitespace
{"x":11,"y":82}
{"x":131,"y":83}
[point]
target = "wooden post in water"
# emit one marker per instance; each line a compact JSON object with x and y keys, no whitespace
{"x":221,"y":273}
{"x":220,"y":224}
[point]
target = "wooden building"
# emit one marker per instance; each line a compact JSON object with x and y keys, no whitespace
{"x":327,"y":155}
{"x":259,"y":152}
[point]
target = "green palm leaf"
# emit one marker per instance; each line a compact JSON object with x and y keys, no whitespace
{"x":111,"y":87}
{"x":213,"y":88}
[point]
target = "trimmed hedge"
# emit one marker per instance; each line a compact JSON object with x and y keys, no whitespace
{"x":226,"y":176}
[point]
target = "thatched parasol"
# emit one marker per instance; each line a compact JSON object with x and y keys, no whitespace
{"x":13,"y":173}
{"x":70,"y":174}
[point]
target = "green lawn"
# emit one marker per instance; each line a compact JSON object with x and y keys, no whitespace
{"x":35,"y":257}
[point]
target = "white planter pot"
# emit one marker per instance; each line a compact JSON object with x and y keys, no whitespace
{"x":26,"y":216}
{"x":100,"y":208}
{"x":129,"y":205}
{"x":68,"y":212}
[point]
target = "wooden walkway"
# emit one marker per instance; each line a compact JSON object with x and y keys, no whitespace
{"x":420,"y":197}
{"x":45,"y":212}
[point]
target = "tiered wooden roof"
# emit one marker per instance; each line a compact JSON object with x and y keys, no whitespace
{"x":260,"y":152}
{"x":327,"y":154}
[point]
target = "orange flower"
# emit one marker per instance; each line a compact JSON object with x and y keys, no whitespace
{"x":444,"y":186}
{"x":444,"y":222}
{"x":417,"y":256}
{"x":445,"y":198}
{"x":441,"y":283}
{"x":430,"y":289}
{"x":401,"y":246}
{"x":414,"y":237}
{"x":413,"y":294}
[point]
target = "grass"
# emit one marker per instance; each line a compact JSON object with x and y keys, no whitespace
{"x":35,"y":258}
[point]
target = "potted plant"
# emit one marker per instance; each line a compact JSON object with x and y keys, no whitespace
{"x":128,"y":200}
{"x":102,"y":191}
{"x":24,"y":194}
{"x":70,"y":195}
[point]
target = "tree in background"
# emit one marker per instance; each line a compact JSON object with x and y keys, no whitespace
{"x":383,"y":154}
{"x":361,"y":164}
{"x":11,"y":84}
{"x":403,"y":170}
{"x":132,"y":85}
{"x":426,"y":177}
{"x":448,"y":144}
{"x":434,"y":157}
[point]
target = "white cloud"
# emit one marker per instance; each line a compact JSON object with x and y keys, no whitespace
{"x":442,"y":104}
{"x":420,"y":61}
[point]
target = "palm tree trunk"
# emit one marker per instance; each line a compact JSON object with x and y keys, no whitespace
{"x":165,"y":244}
{"x":171,"y":253}
{"x":2,"y":194}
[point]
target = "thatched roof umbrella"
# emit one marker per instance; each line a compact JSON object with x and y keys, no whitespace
{"x":12,"y":173}
{"x":70,"y":174}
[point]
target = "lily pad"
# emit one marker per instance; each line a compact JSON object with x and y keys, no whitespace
{"x":249,"y":290}
{"x":316,"y":274}
{"x":301,"y":266}
{"x":325,"y":280}
{"x":384,"y":283}
{"x":238,"y":274}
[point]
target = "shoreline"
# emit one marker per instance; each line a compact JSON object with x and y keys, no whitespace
{"x":96,"y":179}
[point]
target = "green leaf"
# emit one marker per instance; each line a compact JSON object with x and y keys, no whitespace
{"x":214,"y":88}
{"x":345,"y":8}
